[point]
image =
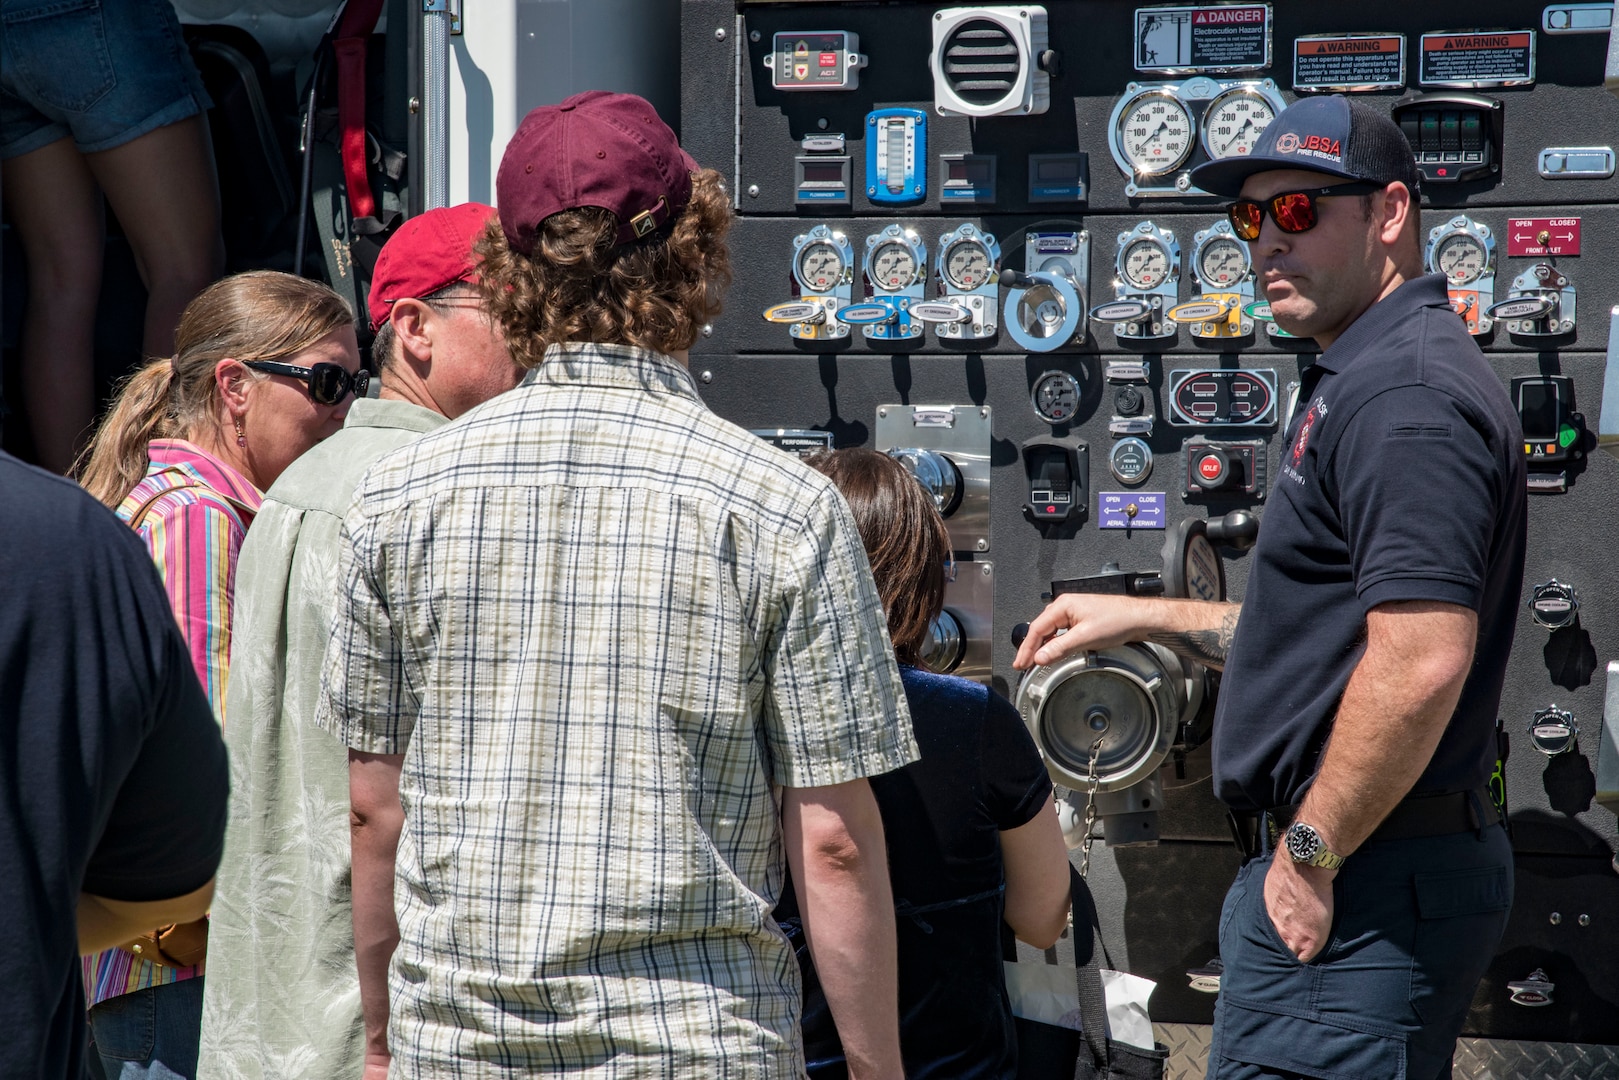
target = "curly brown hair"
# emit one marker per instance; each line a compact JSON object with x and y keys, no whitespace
{"x":656,"y":292}
{"x":905,"y":539}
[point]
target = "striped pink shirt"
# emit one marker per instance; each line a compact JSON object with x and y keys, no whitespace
{"x":192,"y":510}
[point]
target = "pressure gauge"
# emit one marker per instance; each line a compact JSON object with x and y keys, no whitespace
{"x":1154,"y":132}
{"x":1461,"y":258}
{"x":1234,"y":121}
{"x":1055,"y":397}
{"x":1222,"y":262}
{"x":968,"y":265}
{"x":1144,"y":264}
{"x":892,"y":265}
{"x":820,"y":265}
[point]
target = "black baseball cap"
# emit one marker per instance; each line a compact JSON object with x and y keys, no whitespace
{"x":1332,"y":135}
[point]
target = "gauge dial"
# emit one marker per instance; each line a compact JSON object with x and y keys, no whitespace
{"x":892,"y":265}
{"x":1221,"y":262}
{"x":1145,"y":264}
{"x":1461,"y":258}
{"x":1234,"y":121}
{"x":820,"y":266}
{"x":1055,"y":397}
{"x":1155,"y":133}
{"x":967,"y":265}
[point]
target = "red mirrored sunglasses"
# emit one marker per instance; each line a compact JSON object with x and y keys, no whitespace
{"x":1293,"y":211}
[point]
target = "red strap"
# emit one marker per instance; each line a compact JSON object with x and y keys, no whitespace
{"x":349,"y":39}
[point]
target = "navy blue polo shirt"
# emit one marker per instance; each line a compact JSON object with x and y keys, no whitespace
{"x":113,"y":777}
{"x":1402,"y":478}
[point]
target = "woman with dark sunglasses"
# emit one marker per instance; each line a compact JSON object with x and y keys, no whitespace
{"x":263,"y":369}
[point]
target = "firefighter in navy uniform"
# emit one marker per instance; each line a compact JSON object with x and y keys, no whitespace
{"x":1363,"y":669}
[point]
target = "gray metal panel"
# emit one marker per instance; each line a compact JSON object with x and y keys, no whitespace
{"x":1476,"y":1059}
{"x":1499,"y":1059}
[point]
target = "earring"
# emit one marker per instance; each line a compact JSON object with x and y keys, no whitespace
{"x":241,"y":436}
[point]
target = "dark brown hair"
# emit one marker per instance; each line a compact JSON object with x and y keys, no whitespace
{"x":577,"y":285}
{"x":258,"y":315}
{"x":905,"y":540}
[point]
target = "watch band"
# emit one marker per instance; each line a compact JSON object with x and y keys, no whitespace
{"x":1304,"y":847}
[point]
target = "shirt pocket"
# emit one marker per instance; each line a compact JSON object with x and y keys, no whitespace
{"x":57,"y":51}
{"x":1460,"y":917}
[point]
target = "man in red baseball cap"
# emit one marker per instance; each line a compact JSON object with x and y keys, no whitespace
{"x":627,"y":662}
{"x":281,"y":968}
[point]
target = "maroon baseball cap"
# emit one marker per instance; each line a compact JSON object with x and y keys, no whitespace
{"x":426,"y":253}
{"x":594,"y":149}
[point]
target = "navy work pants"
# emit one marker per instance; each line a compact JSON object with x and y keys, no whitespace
{"x":1415,"y":925}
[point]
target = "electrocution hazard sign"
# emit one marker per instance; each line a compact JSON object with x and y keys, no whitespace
{"x":1467,"y":61}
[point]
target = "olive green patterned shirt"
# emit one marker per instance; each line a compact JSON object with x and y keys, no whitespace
{"x":282,"y":999}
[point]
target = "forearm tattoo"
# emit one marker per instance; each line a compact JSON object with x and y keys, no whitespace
{"x":1206,"y":647}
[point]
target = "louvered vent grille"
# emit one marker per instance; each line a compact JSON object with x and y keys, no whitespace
{"x":981,"y":62}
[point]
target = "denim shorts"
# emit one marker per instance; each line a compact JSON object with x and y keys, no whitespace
{"x":103,"y":71}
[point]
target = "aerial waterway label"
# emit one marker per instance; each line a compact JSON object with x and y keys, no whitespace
{"x":1485,"y":58}
{"x":1338,"y":63}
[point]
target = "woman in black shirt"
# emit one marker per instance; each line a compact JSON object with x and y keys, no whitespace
{"x":972,"y":834}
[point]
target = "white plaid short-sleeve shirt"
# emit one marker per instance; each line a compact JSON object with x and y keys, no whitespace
{"x":602,"y":625}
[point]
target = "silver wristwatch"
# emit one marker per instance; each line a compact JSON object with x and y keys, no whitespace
{"x":1305,"y":846}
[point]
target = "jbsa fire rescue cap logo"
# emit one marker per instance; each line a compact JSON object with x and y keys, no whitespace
{"x":1316,"y":146}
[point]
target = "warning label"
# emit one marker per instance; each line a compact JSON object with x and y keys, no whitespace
{"x":1187,"y":40}
{"x":1495,"y":58}
{"x":1347,"y":62}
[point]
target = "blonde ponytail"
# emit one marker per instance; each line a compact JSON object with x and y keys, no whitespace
{"x":258,"y":315}
{"x":115,"y":460}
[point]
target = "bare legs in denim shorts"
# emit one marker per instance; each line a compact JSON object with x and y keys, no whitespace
{"x":99,"y":96}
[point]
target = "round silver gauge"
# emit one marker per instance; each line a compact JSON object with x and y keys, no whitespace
{"x":892,"y":264}
{"x":1130,"y":461}
{"x":1234,"y":120}
{"x":1154,"y":132}
{"x":1055,"y":397}
{"x":1461,"y":258}
{"x":1144,"y":264}
{"x":967,"y":265}
{"x":1221,"y":262}
{"x":820,"y":266}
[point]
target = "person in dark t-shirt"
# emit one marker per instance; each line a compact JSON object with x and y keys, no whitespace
{"x":1354,"y":736}
{"x":111,"y":763}
{"x":971,"y":829}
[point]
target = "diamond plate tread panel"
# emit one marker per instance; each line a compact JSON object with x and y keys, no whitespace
{"x":1476,"y":1059}
{"x":1505,"y":1059}
{"x":1188,"y":1049}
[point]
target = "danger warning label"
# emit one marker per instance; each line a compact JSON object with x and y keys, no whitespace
{"x":1179,"y":40}
{"x":1493,"y":58}
{"x":1346,"y":62}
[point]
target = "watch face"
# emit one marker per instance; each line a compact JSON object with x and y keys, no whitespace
{"x":1303,"y":842}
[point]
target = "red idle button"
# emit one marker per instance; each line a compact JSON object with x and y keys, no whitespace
{"x":1210,"y":467}
{"x":829,"y":59}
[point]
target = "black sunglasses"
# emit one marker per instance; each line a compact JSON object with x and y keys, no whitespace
{"x":1293,"y":211}
{"x":328,"y":384}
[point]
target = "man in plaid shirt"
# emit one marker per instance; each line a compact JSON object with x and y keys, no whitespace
{"x":606,"y":664}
